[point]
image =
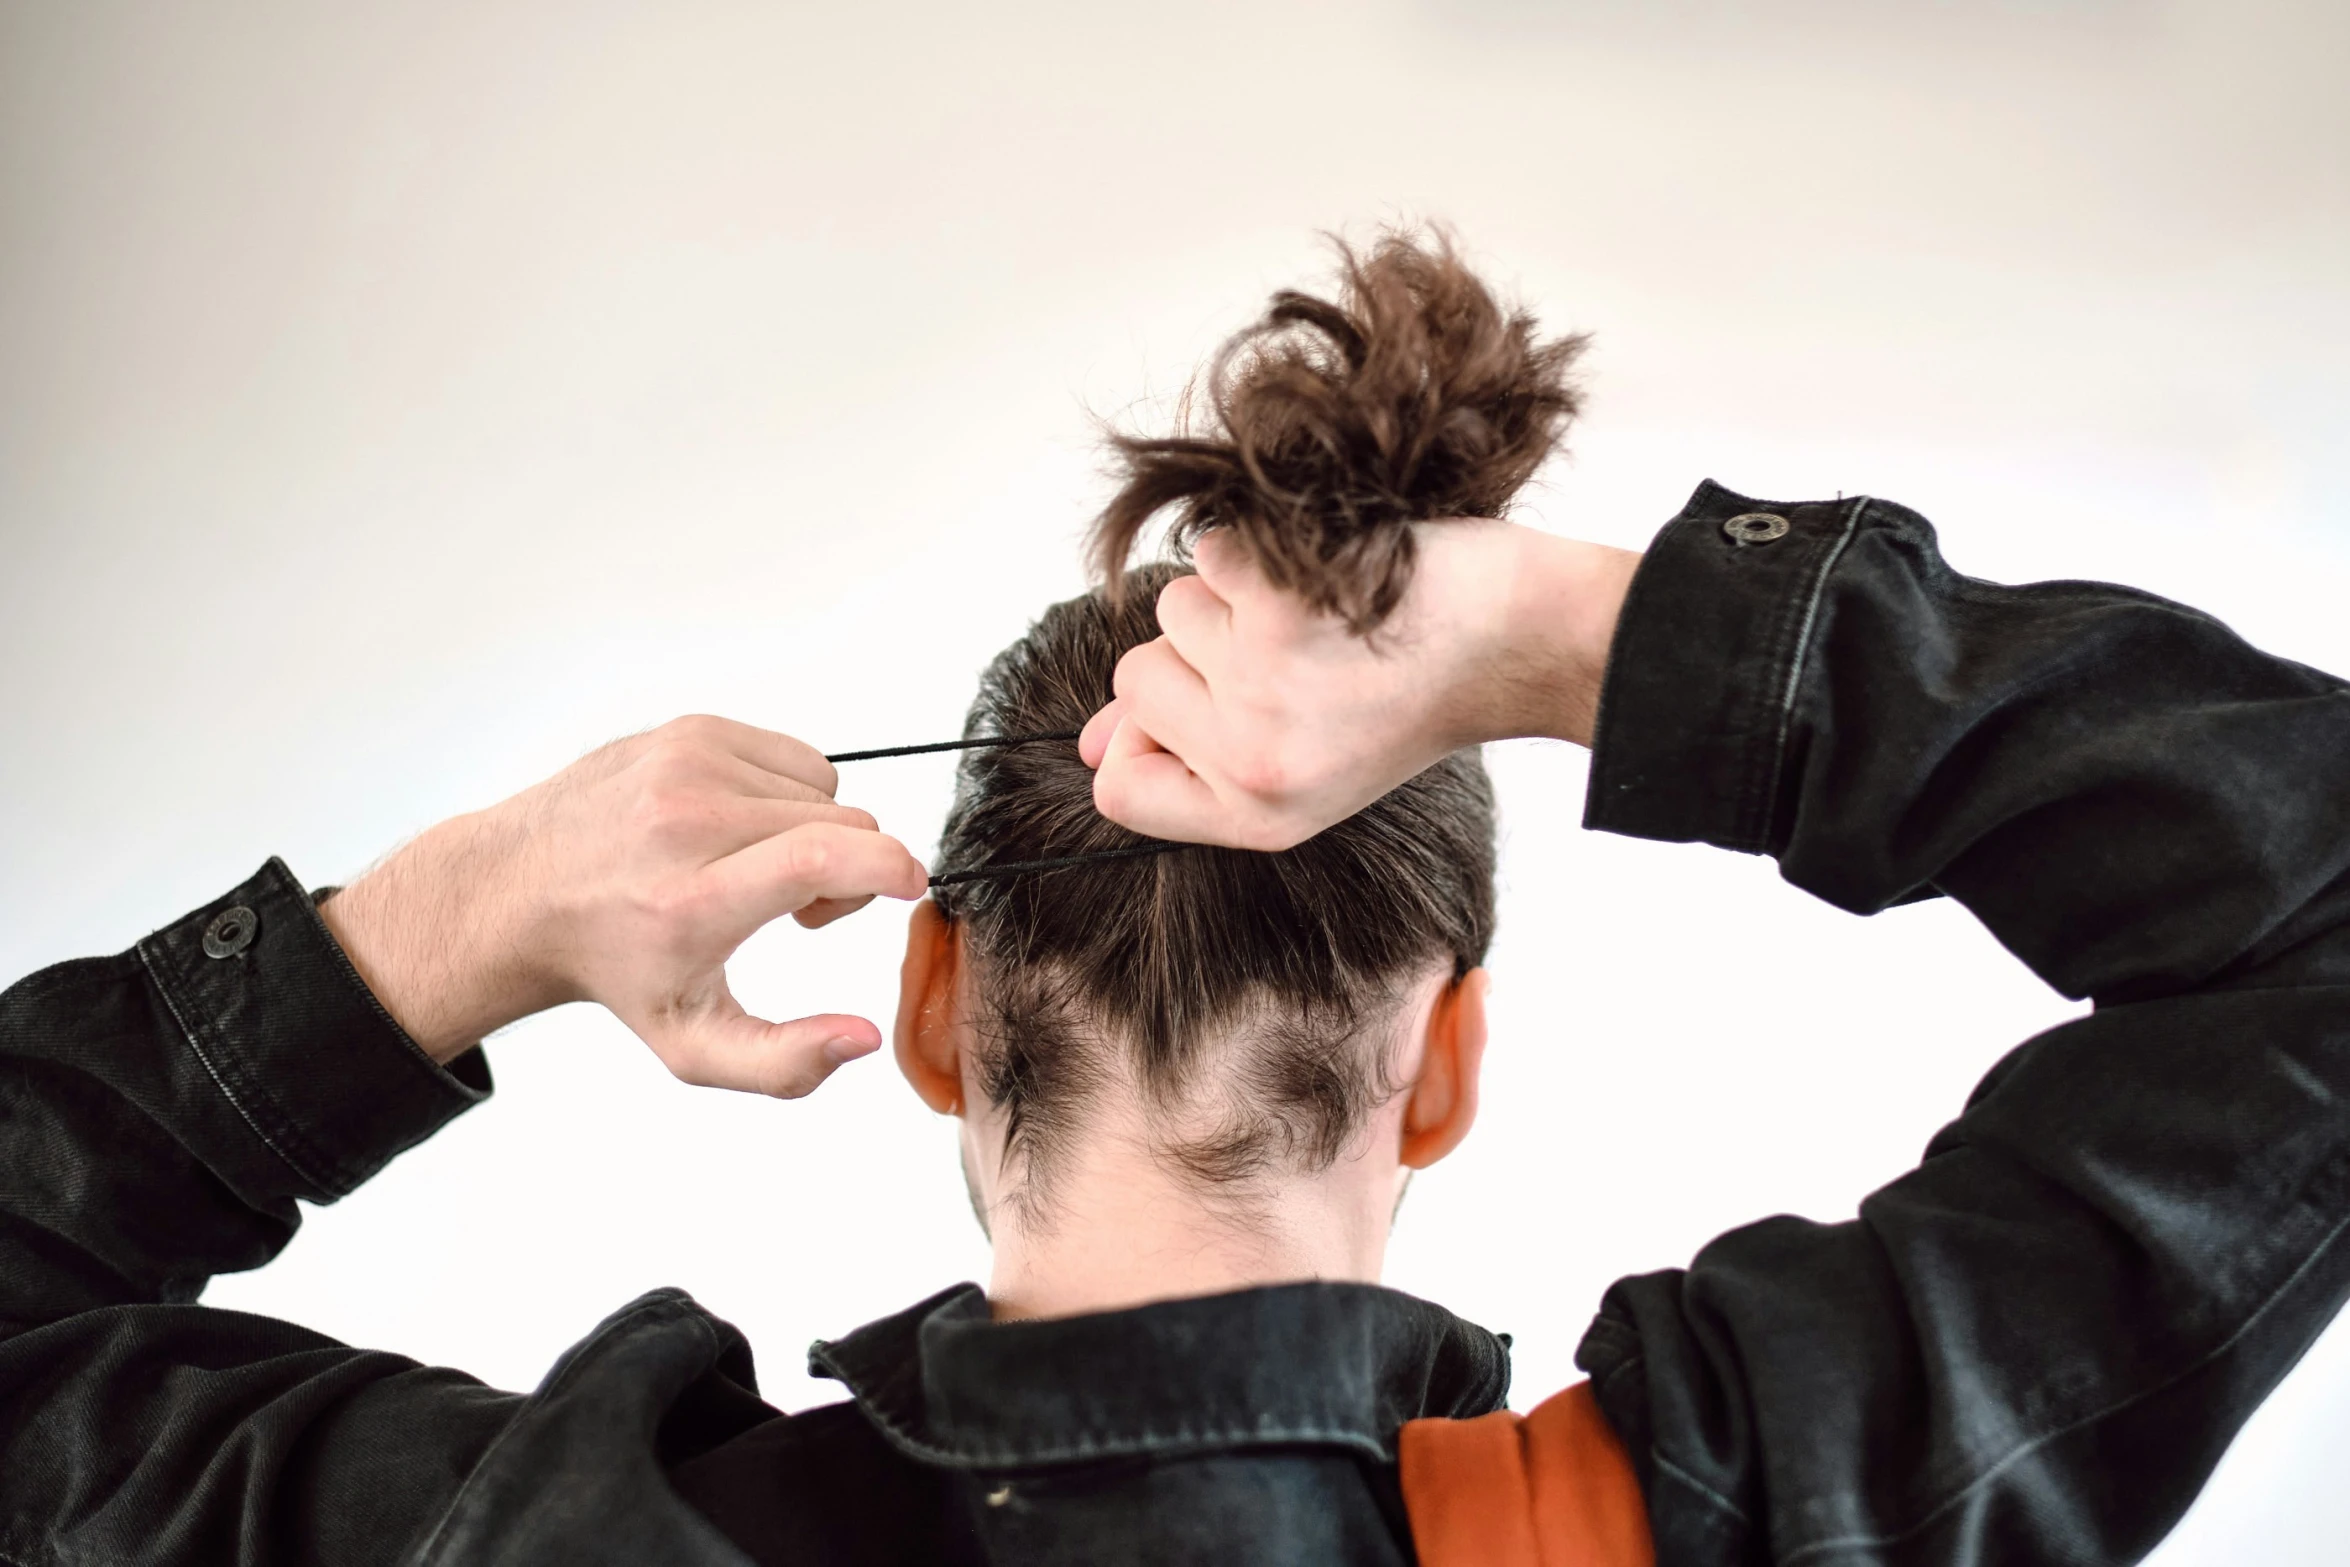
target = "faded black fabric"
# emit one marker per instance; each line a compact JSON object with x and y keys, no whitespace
{"x":159,"y":1114}
{"x":1254,"y":1426}
{"x":2032,"y":1348}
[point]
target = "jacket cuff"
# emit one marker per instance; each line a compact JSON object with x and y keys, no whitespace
{"x":296,"y":1042}
{"x":1694,"y":712}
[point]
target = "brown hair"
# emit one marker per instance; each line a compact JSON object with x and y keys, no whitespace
{"x":1336,"y":426}
{"x":1331,"y":427}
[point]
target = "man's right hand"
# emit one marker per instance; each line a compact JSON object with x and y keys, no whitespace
{"x":629,"y":879}
{"x":1255,"y":722}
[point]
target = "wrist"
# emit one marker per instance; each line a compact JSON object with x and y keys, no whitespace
{"x":1556,"y":630}
{"x":434,"y":932}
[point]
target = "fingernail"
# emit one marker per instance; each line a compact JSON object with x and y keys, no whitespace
{"x":840,"y":1052}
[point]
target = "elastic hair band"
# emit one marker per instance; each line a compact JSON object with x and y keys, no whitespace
{"x":1031,"y":867}
{"x":981,"y":743}
{"x":1010,"y":867}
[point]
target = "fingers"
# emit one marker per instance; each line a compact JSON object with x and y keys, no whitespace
{"x":779,"y":754}
{"x":1143,"y":786}
{"x":1094,"y":739}
{"x":1197,"y":624}
{"x":818,"y":870}
{"x":809,"y":863}
{"x":722,"y":1046}
{"x":756,"y":818}
{"x":1170,"y":766}
{"x":697,"y":801}
{"x":1166,"y":695}
{"x":824,"y":911}
{"x":746,"y":777}
{"x":695,"y":827}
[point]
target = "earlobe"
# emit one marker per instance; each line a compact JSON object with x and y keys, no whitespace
{"x":1443,"y":1105}
{"x":924,"y":1039}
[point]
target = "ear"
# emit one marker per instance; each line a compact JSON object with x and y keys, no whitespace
{"x":1443,"y":1105}
{"x":925,"y":1040}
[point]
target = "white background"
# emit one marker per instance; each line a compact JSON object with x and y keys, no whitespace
{"x":397,"y":401}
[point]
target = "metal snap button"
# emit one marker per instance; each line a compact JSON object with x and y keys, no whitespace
{"x":230,"y":932}
{"x":1755,"y":527}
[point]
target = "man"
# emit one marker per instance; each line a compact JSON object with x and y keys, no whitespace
{"x":2032,"y":1348}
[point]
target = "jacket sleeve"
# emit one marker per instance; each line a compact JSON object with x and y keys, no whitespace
{"x":160,"y":1114}
{"x":2035,"y":1346}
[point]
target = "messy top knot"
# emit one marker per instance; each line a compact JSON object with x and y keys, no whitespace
{"x":1330,"y":427}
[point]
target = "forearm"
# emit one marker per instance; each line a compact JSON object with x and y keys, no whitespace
{"x":432,"y":931}
{"x":165,"y":1108}
{"x":170,"y":1435}
{"x":161,"y":1112}
{"x":2035,"y":1345}
{"x":629,"y":879}
{"x":1544,"y":674}
{"x":2131,"y":797}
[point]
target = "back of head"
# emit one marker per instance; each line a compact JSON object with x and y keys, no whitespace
{"x":1249,"y":1000}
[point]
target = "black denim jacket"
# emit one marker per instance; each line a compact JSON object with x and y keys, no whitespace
{"x":2033,"y":1347}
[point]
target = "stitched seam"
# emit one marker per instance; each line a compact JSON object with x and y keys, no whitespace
{"x":1179,"y":1445}
{"x":1795,"y":664}
{"x":2024,"y":1449}
{"x":1270,"y":1431}
{"x":1607,"y":1378}
{"x":1758,"y":775}
{"x":183,"y":1015}
{"x":1705,"y":1491}
{"x":343,"y":1178}
{"x":284,"y":1133}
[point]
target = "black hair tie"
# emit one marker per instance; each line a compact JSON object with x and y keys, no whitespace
{"x":1011,"y":867}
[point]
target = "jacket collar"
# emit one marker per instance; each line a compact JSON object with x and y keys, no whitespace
{"x":1341,"y":1365}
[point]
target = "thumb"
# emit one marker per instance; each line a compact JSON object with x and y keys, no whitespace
{"x":726,"y":1047}
{"x":1093,"y":742}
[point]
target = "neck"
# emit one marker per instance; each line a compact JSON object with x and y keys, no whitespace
{"x":1118,"y":1229}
